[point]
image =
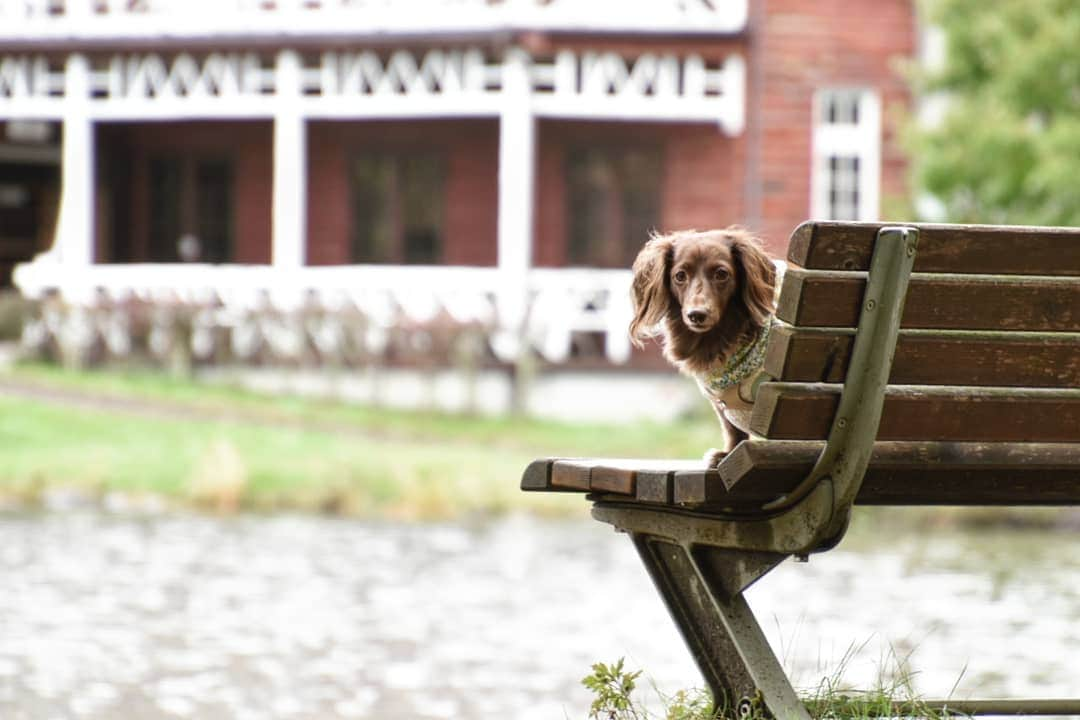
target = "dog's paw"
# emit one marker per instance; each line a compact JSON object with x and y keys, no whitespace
{"x":713,"y":457}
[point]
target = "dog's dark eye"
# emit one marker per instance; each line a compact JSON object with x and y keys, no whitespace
{"x":721,"y":274}
{"x":680,"y":276}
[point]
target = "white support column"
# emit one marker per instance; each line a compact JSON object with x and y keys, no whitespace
{"x":289,"y":212}
{"x":517,"y":168}
{"x":74,"y":243}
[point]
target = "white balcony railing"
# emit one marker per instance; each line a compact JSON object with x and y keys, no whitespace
{"x":651,"y":87}
{"x":141,"y":19}
{"x":559,"y":302}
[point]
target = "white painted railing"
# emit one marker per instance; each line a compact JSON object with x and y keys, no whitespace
{"x":560,"y":302}
{"x":140,"y":19}
{"x":358,"y":85}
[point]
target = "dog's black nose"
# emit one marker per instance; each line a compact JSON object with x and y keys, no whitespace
{"x":695,"y":316}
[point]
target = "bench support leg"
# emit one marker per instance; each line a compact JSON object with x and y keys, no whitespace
{"x":717,"y":624}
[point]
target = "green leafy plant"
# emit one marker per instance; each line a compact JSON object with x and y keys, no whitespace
{"x":694,"y":704}
{"x":612,"y":686}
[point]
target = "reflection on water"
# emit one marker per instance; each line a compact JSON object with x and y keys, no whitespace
{"x":106,"y":616}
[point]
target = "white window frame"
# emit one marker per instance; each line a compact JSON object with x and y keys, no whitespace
{"x":847,"y":139}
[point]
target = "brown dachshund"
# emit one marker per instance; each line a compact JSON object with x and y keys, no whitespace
{"x":710,"y":297}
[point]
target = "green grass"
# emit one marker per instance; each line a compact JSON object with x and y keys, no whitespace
{"x":228,"y":448}
{"x":681,"y":439}
{"x":616,"y":696}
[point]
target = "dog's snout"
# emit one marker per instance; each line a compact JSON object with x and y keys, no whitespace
{"x":696,"y":316}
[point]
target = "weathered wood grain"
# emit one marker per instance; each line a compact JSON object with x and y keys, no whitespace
{"x":572,"y":474}
{"x":932,"y":357}
{"x":690,"y":484}
{"x":648,"y":480}
{"x":621,"y":480}
{"x":902,"y":473}
{"x":654,"y":486}
{"x":537,"y":476}
{"x":798,"y":411}
{"x":978,"y":249}
{"x":940,"y":302}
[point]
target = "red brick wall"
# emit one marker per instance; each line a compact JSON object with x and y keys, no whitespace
{"x":248,"y":143}
{"x":796,"y":48}
{"x":701,"y":187}
{"x":471,"y":149}
{"x":704,"y":187}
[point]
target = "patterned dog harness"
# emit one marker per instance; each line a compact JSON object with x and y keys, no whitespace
{"x":744,"y":364}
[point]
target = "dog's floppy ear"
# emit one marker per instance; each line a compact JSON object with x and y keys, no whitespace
{"x":649,"y":290}
{"x":757,"y":275}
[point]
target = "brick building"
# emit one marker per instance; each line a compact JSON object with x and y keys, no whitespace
{"x":376,"y":152}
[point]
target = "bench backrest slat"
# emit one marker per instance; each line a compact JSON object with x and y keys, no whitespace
{"x":989,"y":348}
{"x":943,"y":302}
{"x":797,"y":411}
{"x":977,"y":249}
{"x":933,"y":357}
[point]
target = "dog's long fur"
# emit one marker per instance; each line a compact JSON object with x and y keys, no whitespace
{"x":706,"y":294}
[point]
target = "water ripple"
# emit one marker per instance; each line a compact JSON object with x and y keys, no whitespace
{"x":151,"y":617}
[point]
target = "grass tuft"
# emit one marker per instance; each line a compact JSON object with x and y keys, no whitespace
{"x":220,"y":479}
{"x":615,"y":697}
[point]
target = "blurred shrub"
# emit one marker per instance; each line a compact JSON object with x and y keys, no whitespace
{"x":14,"y":309}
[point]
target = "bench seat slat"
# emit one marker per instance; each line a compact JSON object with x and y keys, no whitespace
{"x":942,"y":302}
{"x":571,"y":474}
{"x":804,"y":411}
{"x":900,"y":473}
{"x":982,"y":249}
{"x":932,"y":357}
{"x":647,"y":480}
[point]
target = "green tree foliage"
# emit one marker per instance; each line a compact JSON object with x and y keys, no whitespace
{"x":1008,"y":147}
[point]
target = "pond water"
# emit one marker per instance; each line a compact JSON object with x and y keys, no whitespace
{"x":110,"y":615}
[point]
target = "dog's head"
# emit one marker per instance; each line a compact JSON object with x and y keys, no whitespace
{"x":699,"y":279}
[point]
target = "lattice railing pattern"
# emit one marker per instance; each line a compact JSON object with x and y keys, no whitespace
{"x":23,"y":76}
{"x":151,"y":75}
{"x":436,"y":72}
{"x":607,"y":84}
{"x":602,"y":84}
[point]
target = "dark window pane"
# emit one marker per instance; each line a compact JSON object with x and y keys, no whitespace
{"x":843,"y":187}
{"x":166,"y":200}
{"x":191,"y":202}
{"x":613,"y":202}
{"x":422,"y":190}
{"x":840,"y":107}
{"x":374,"y":178}
{"x":398,"y":208}
{"x":641,"y":172}
{"x":213,"y":189}
{"x":590,"y":188}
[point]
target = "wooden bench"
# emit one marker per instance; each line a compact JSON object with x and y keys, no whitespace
{"x":915,"y":365}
